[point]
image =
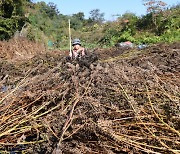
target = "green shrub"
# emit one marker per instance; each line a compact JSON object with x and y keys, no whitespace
{"x":11,"y":17}
{"x":171,"y":36}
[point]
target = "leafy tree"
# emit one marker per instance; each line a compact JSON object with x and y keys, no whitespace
{"x":96,"y":16}
{"x":49,"y":9}
{"x":80,"y":16}
{"x":155,"y":7}
{"x":77,"y":20}
{"x":11,"y":17}
{"x":52,"y":9}
{"x":129,"y":22}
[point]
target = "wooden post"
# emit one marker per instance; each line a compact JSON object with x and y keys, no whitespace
{"x":70,"y":37}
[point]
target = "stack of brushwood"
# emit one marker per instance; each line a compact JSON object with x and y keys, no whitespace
{"x":115,"y":105}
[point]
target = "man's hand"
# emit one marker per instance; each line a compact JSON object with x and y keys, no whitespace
{"x":81,"y":50}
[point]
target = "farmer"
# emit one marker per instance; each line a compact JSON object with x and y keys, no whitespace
{"x":78,"y":51}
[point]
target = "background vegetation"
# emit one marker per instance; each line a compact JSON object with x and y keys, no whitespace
{"x":44,"y":23}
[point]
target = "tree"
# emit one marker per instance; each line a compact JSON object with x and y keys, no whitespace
{"x":77,"y":20}
{"x":49,"y":9}
{"x":96,"y":16}
{"x":79,"y":16}
{"x":53,"y":9}
{"x":129,"y":21}
{"x":155,"y":7}
{"x":11,"y":17}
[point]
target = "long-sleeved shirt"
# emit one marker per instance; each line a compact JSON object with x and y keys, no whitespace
{"x":76,"y":53}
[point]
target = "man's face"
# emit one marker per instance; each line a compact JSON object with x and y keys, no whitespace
{"x":76,"y":47}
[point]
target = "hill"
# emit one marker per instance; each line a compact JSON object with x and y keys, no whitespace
{"x":44,"y":23}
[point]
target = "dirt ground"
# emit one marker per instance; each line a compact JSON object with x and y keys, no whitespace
{"x":126,"y":101}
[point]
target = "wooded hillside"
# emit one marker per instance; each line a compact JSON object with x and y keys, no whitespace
{"x":44,"y":22}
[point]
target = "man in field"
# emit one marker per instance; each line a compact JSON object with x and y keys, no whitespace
{"x":79,"y":54}
{"x":78,"y":51}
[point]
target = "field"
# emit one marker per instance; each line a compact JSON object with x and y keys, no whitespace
{"x":126,"y":101}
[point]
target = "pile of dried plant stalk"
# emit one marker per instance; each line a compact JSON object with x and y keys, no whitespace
{"x":127,"y":105}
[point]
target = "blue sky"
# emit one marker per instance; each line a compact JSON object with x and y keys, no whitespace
{"x":109,"y":7}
